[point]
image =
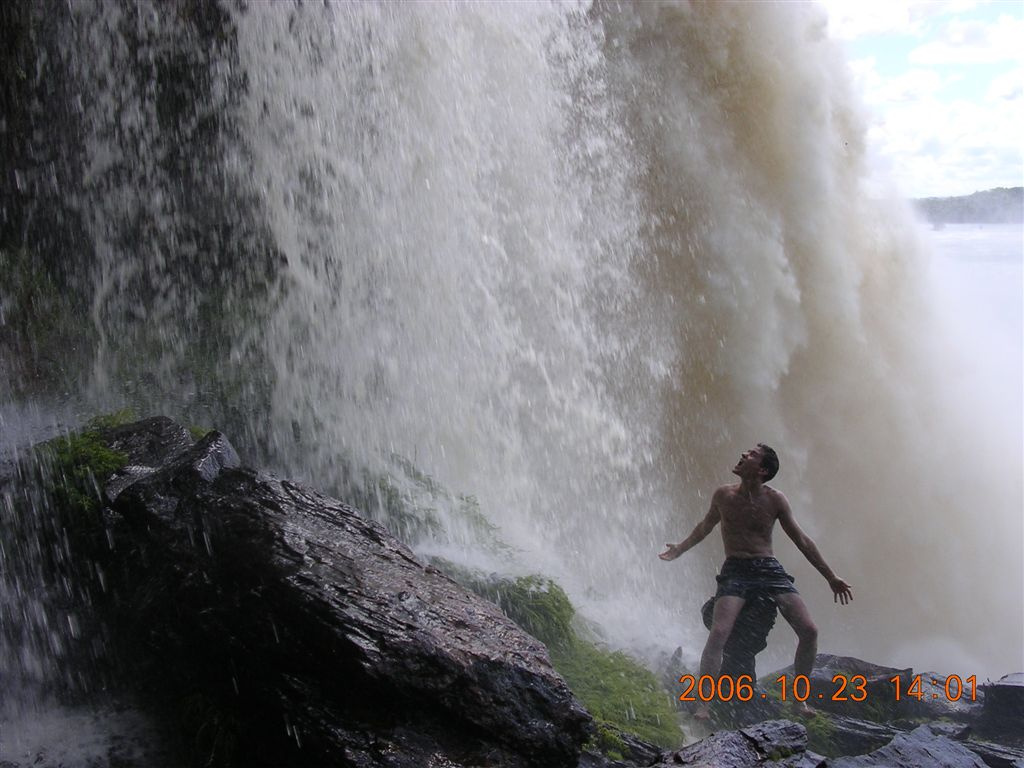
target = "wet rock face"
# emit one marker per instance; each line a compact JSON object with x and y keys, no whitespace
{"x":309,"y":635}
{"x":774,"y":742}
{"x":921,"y":748}
{"x":1004,"y":706}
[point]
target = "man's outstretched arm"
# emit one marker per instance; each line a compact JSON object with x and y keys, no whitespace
{"x":841,"y":590}
{"x":702,"y":529}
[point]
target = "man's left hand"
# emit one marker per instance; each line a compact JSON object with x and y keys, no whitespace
{"x":841,"y":591}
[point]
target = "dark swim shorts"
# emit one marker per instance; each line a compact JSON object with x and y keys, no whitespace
{"x":747,"y":577}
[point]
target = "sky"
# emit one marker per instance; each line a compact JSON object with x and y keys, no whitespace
{"x":943,"y":81}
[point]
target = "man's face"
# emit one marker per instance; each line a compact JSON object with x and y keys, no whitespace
{"x":749,"y":463}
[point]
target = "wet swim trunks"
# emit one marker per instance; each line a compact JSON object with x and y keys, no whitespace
{"x":747,"y":577}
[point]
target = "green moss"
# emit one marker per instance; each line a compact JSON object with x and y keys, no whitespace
{"x":821,"y":734}
{"x":618,"y":691}
{"x":538,"y":605}
{"x":608,"y":742}
{"x":110,"y":420}
{"x":74,"y":466}
{"x":877,"y":711}
{"x":198,"y":433}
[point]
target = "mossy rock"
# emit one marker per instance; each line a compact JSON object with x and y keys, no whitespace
{"x":198,"y":433}
{"x":73,"y":466}
{"x":538,"y":605}
{"x":608,"y":742}
{"x":821,"y":734}
{"x":619,"y":691}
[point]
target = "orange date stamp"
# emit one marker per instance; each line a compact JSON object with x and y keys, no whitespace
{"x":707,"y":688}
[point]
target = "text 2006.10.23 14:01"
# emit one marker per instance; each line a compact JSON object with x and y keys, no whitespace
{"x":845,"y":688}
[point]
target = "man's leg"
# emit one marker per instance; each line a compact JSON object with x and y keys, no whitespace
{"x":727,"y":608}
{"x":794,"y":610}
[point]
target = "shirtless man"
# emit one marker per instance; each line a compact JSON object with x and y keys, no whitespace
{"x":747,"y":512}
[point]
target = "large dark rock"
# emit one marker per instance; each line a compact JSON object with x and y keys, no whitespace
{"x":1003,"y":712}
{"x":774,"y":742}
{"x":304,"y":634}
{"x":921,"y":748}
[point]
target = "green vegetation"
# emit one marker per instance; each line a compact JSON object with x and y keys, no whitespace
{"x":198,"y":433}
{"x":878,"y":711}
{"x":821,"y":734}
{"x":74,"y":465}
{"x":608,"y":742}
{"x":538,"y":605}
{"x":111,"y":420}
{"x":620,"y":693}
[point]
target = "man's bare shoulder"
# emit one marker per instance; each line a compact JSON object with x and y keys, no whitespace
{"x":777,"y":497}
{"x":726,"y":491}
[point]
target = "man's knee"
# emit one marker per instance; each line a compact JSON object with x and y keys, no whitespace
{"x":807,"y":631}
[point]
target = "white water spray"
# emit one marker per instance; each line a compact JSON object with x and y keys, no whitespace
{"x":569,"y":259}
{"x":573,"y":259}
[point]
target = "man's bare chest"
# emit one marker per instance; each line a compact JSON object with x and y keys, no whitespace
{"x":741,"y":514}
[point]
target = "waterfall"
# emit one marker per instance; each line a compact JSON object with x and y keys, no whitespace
{"x":567,"y":261}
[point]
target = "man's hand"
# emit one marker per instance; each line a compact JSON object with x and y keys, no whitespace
{"x":673,"y":551}
{"x":841,"y":591}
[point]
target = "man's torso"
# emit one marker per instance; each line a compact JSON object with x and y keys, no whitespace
{"x":747,"y":521}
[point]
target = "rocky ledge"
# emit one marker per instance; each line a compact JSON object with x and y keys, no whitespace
{"x":275,"y":626}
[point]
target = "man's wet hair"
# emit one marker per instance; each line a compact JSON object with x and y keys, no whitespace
{"x":769,"y":461}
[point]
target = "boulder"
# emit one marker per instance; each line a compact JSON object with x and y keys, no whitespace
{"x":301,"y":633}
{"x":774,"y":742}
{"x":921,"y":748}
{"x":1003,"y":709}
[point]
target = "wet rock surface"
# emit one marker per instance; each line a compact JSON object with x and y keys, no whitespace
{"x":266,"y":624}
{"x":921,"y":748}
{"x":1004,"y":706}
{"x":773,"y":742}
{"x":300,"y":633}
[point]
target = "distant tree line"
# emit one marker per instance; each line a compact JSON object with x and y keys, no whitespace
{"x":1003,"y":205}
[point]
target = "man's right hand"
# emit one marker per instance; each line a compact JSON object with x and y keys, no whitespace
{"x":673,"y":551}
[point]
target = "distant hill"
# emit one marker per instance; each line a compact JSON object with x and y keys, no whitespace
{"x":1003,"y":205}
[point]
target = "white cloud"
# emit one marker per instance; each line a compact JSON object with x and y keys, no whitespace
{"x":852,"y":19}
{"x":915,"y":85}
{"x":973,"y":42}
{"x":937,"y":126}
{"x":1008,"y":86}
{"x":949,"y":148}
